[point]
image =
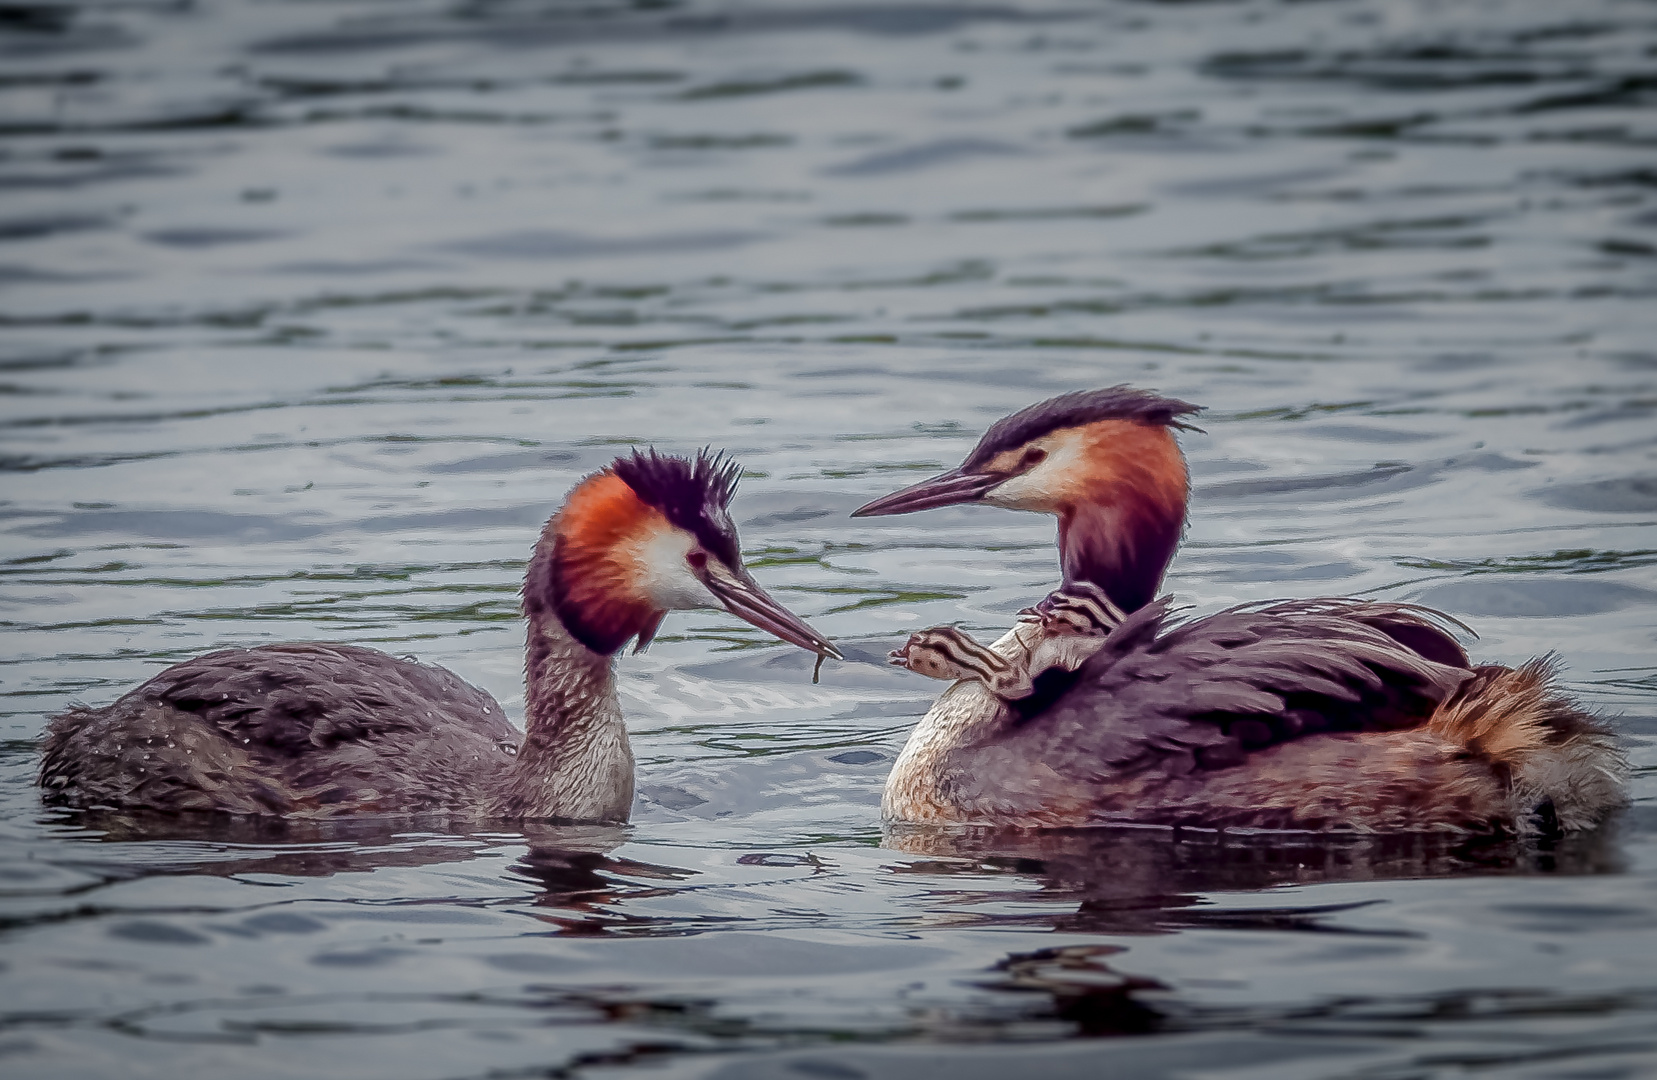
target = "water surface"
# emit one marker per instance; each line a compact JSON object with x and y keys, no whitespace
{"x":312,"y":312}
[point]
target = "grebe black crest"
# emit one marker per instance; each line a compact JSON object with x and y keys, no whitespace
{"x":1101,"y":705}
{"x":315,"y":730}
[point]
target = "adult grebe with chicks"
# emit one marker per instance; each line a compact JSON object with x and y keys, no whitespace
{"x":1101,"y":705}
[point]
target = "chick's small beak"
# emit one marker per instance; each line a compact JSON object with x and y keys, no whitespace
{"x":743,"y":598}
{"x":945,"y":489}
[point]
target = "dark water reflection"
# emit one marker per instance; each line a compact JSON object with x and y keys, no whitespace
{"x":311,"y":312}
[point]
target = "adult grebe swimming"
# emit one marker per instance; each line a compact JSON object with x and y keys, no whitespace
{"x":312,"y":730}
{"x":1303,"y":714}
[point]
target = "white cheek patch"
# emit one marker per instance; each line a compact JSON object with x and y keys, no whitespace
{"x":1044,"y":487}
{"x":663,"y":575}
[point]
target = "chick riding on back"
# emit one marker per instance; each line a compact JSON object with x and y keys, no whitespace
{"x":1303,"y":714}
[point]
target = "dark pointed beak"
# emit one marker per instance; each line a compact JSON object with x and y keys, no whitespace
{"x":743,"y":598}
{"x":946,"y":489}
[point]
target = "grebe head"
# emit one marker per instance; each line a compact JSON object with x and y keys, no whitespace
{"x":1058,"y":453}
{"x":649,"y":534}
{"x":1105,"y":462}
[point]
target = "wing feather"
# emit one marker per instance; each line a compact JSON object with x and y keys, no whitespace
{"x":292,"y":698}
{"x":1169,"y":696}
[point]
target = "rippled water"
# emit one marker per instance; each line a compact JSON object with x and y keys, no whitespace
{"x":314,"y":310}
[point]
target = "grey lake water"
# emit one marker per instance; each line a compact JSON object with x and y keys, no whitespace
{"x":311,"y":311}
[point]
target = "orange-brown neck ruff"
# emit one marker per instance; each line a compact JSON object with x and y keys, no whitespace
{"x":583,"y":571}
{"x":1121,"y":526}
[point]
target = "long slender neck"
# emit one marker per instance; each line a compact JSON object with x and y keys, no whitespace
{"x":1124,"y":548}
{"x":575,"y":762}
{"x":1122,"y":530}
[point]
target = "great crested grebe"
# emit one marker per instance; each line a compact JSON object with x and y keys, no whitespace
{"x":313,"y":730}
{"x":1300,"y":714}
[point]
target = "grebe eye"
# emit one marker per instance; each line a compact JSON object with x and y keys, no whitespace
{"x":1033,"y":457}
{"x":697,"y":559}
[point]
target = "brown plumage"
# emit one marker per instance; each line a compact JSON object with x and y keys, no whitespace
{"x":313,"y":730}
{"x":302,"y":730}
{"x":1308,"y":714}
